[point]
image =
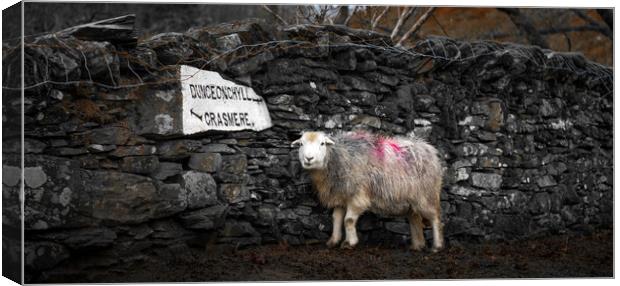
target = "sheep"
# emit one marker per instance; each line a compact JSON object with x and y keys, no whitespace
{"x":358,"y":171}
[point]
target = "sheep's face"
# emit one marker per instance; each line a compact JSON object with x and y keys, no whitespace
{"x":313,"y":150}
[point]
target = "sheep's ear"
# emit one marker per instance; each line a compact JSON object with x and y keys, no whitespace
{"x":296,"y":143}
{"x":329,"y":141}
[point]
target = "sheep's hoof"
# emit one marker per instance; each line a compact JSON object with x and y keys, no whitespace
{"x":417,"y":248}
{"x":331,"y":243}
{"x":436,"y":249}
{"x":346,"y":245}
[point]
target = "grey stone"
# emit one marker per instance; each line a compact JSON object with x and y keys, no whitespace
{"x":118,"y":197}
{"x":97,"y":148}
{"x":172,"y":199}
{"x":357,"y":83}
{"x":398,"y":227}
{"x":345,"y":61}
{"x":141,"y":231}
{"x":140,"y":164}
{"x":67,"y":151}
{"x":486,"y":180}
{"x":489,"y":162}
{"x":364,"y":98}
{"x":465,"y":191}
{"x":254,"y":152}
{"x":205,"y":162}
{"x":200,"y":187}
{"x":545,"y":181}
{"x":461,"y":174}
{"x":547,"y":109}
{"x":104,"y":197}
{"x":44,"y":255}
{"x":495,"y":119}
{"x":303,"y":210}
{"x":423,"y":132}
{"x":233,"y":228}
{"x":368,"y":65}
{"x":178,"y":149}
{"x":540,"y":203}
{"x":568,"y":215}
{"x":463,"y":163}
{"x":228,"y":42}
{"x":472,"y":149}
{"x":30,"y":146}
{"x":168,"y":229}
{"x":204,"y":219}
{"x":234,"y":193}
{"x":217,"y":148}
{"x":234,"y":164}
{"x":91,"y":237}
{"x":293,"y":227}
{"x":104,"y":136}
{"x":281,"y":99}
{"x":139,"y":150}
{"x":11,"y":175}
{"x":366,"y":120}
{"x":35,"y":177}
{"x":167,"y":170}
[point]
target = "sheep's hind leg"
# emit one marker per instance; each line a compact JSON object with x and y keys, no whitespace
{"x":437,"y":233}
{"x":435,"y":220}
{"x":417,"y":232}
{"x":337,"y":217}
{"x":350,"y":220}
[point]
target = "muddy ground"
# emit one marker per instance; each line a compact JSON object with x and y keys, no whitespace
{"x":557,"y":256}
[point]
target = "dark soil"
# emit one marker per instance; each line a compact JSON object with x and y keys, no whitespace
{"x":556,"y":256}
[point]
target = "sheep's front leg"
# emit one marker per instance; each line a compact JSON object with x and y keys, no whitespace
{"x":337,"y":217}
{"x":417,"y":232}
{"x":350,"y":220}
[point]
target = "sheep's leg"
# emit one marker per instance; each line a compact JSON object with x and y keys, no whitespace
{"x":350,"y":220}
{"x":337,"y":217}
{"x":417,"y":232}
{"x":434,"y":218}
{"x":437,"y":233}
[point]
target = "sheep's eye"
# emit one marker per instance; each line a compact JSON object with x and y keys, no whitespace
{"x":322,"y":143}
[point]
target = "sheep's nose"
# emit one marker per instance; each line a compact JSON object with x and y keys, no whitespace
{"x":309,"y":159}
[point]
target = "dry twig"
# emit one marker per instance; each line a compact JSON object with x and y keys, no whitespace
{"x":274,"y":14}
{"x":402,"y":18}
{"x":376,"y":20}
{"x":418,"y":24}
{"x":346,"y":21}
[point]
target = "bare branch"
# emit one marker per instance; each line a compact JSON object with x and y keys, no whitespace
{"x":603,"y":29}
{"x":378,"y":18}
{"x":346,"y":21}
{"x":416,"y":26}
{"x":343,"y":14}
{"x":275,"y":15}
{"x":402,"y":18}
{"x":440,"y":26}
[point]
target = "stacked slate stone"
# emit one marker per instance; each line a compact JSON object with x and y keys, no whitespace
{"x":525,"y":135}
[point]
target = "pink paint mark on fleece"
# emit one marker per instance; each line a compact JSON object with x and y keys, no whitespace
{"x":382,"y":145}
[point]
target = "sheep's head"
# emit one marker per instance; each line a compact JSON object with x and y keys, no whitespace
{"x":313,"y":149}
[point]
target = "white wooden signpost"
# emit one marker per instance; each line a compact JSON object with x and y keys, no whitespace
{"x":213,"y":103}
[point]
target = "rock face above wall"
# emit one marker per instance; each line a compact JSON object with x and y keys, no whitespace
{"x":525,"y":136}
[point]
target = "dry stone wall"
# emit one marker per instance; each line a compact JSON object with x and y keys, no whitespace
{"x":525,"y":136}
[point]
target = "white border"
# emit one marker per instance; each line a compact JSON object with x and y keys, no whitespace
{"x":469,"y":3}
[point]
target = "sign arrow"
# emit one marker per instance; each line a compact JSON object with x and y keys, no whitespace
{"x":195,"y":114}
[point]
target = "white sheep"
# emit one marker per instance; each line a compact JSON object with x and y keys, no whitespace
{"x":357,"y":171}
